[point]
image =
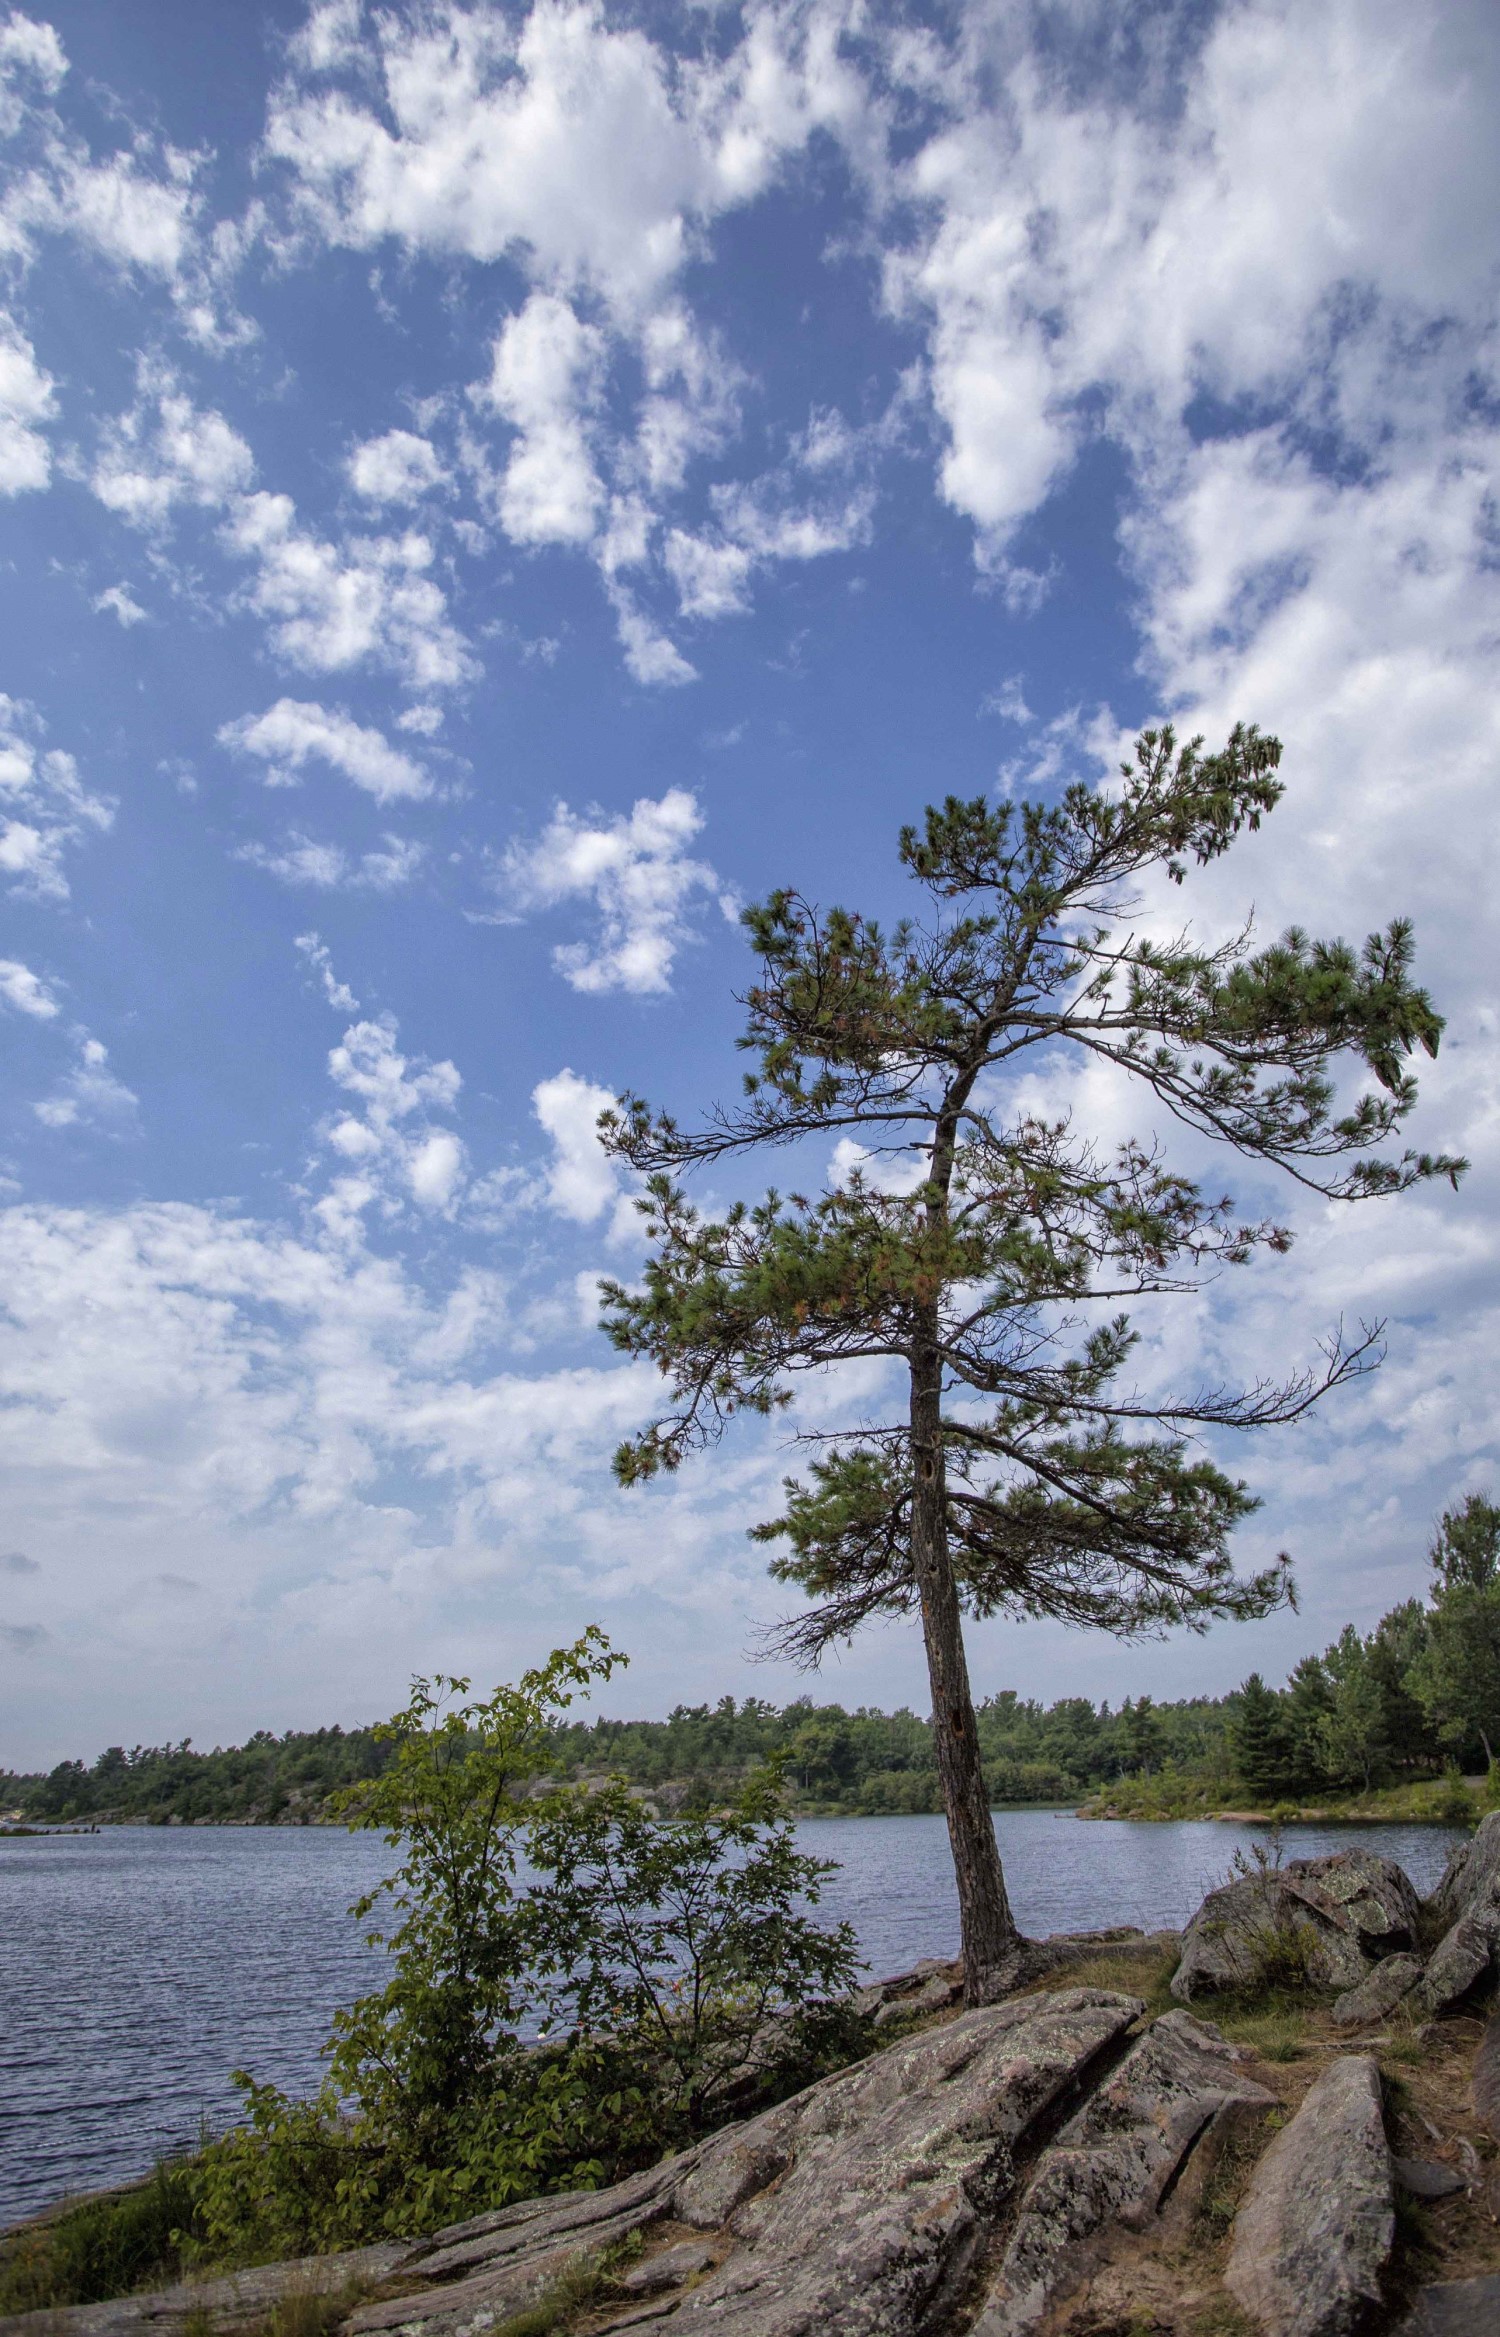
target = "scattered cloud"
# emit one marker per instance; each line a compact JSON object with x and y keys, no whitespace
{"x":301,"y":860}
{"x":398,"y":468}
{"x":165,"y":451}
{"x":545,"y":380}
{"x":119,"y":602}
{"x":582,"y":1181}
{"x":90,"y":1094}
{"x":338,"y":994}
{"x":27,"y":399}
{"x":17,"y":1562}
{"x":25,"y":991}
{"x":293,"y":733}
{"x":393,"y":1153}
{"x":22,"y":1638}
{"x":330,"y":606}
{"x":44,"y":807}
{"x":636,"y":871}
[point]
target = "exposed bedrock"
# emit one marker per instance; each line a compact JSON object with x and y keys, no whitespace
{"x":1314,"y":2234}
{"x":1114,"y":2163}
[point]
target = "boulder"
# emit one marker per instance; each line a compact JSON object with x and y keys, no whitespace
{"x":1314,"y":2234}
{"x":1427,"y":2178}
{"x":1455,"y":2308}
{"x":1320,"y":1919}
{"x":1113,"y":2162}
{"x":1379,"y":1993}
{"x":1472,"y":1877}
{"x":1463,"y":1960}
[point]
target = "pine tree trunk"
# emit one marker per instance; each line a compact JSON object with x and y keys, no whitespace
{"x":987,"y":1929}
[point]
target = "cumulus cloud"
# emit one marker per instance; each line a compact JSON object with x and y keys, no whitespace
{"x":636,"y":871}
{"x":398,"y":468}
{"x":27,"y":399}
{"x":165,"y":450}
{"x":89,"y":1094}
{"x":293,"y":733}
{"x":393,"y":1152}
{"x":368,"y":599}
{"x":302,"y":860}
{"x":545,"y":381}
{"x":25,"y":991}
{"x":582,"y":1181}
{"x":44,"y":807}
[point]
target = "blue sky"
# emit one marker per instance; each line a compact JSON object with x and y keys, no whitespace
{"x":487,"y":491}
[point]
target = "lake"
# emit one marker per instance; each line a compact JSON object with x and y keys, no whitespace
{"x":139,"y":1965}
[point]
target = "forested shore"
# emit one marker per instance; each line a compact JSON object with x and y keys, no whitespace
{"x":1384,"y":1722}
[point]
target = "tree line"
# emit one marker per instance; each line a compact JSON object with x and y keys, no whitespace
{"x":1418,"y":1694}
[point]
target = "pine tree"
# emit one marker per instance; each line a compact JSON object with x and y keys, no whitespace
{"x":982,"y":1246}
{"x":1260,"y":1740}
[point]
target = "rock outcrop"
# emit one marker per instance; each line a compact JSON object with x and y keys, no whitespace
{"x":1466,"y":1907}
{"x":860,"y":2205}
{"x":1313,"y":2238}
{"x":1322,"y":1920}
{"x":1114,"y":2161}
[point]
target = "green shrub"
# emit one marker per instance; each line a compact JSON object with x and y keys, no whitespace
{"x":679,"y":1980}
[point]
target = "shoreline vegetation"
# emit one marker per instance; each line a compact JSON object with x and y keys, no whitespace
{"x":1396,"y":1726}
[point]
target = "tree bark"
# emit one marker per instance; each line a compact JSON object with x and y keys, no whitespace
{"x":990,"y":1940}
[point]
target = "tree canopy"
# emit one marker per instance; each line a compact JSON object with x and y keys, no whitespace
{"x":989,"y":1248}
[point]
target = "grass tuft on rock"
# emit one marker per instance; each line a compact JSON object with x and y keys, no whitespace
{"x":102,"y":2247}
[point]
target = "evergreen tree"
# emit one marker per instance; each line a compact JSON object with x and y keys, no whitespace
{"x":1260,"y":1739}
{"x":1307,"y":1704}
{"x":1354,"y":1738}
{"x":982,"y":1246}
{"x":1457,"y":1675}
{"x":1142,"y":1736}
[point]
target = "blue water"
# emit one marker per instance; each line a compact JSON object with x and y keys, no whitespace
{"x":138,"y":1966}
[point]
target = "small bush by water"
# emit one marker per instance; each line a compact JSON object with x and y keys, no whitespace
{"x":680,"y":1979}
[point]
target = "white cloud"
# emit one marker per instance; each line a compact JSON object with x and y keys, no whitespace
{"x":118,"y":601}
{"x":44,"y":806}
{"x":27,"y":50}
{"x":398,"y":468}
{"x":545,"y":380}
{"x":330,"y":606}
{"x":649,"y":656}
{"x":711,"y":578}
{"x":556,"y":137}
{"x":1091,"y":240}
{"x":582,"y":1181}
{"x":165,"y":451}
{"x":293,"y":733}
{"x":636,"y":870}
{"x":26,"y":399}
{"x":393,"y":1154}
{"x":338,"y":994}
{"x":25,"y":991}
{"x":421,"y":721}
{"x":302,"y":860}
{"x":89,"y":1094}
